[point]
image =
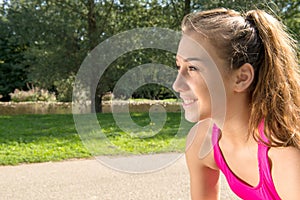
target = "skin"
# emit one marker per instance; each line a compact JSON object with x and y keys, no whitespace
{"x":239,"y":151}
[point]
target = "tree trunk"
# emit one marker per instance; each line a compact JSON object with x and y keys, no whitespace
{"x":93,"y":41}
{"x":98,"y":103}
{"x":92,"y":25}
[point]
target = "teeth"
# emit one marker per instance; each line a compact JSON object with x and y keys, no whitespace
{"x":189,"y":101}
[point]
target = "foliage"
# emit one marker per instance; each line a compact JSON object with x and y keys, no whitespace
{"x":153,"y":91}
{"x":135,"y":59}
{"x":41,"y":138}
{"x":33,"y":94}
{"x":48,"y":30}
{"x":44,"y":42}
{"x":64,"y":88}
{"x":13,"y":70}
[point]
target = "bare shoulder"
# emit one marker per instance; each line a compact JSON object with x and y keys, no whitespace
{"x":199,"y":148}
{"x":204,"y":176}
{"x":285,"y":163}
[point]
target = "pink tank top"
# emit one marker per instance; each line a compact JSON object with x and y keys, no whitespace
{"x":265,"y":190}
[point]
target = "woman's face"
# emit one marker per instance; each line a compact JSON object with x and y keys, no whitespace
{"x":199,"y":81}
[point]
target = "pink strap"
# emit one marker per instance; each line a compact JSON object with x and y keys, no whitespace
{"x":265,"y":189}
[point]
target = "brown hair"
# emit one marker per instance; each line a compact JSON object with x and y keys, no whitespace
{"x":258,"y":38}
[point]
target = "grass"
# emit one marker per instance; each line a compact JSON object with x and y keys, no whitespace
{"x":41,"y":138}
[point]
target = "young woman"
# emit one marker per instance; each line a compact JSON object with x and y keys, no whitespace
{"x":257,"y":142}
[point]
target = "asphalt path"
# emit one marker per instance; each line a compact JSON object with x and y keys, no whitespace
{"x":92,"y":180}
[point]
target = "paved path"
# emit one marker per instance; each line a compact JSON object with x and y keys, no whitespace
{"x":90,"y":180}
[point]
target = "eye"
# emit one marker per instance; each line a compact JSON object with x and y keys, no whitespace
{"x":192,"y":68}
{"x":177,"y":67}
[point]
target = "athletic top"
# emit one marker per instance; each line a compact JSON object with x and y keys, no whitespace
{"x":265,"y":190}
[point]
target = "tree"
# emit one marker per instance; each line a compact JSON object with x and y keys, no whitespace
{"x":12,"y":68}
{"x":45,"y":41}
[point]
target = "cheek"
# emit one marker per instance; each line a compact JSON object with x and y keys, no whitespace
{"x":199,"y":86}
{"x":228,"y":84}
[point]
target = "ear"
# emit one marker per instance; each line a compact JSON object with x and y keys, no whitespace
{"x":243,"y":78}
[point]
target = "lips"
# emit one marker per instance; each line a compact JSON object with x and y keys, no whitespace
{"x":188,"y":102}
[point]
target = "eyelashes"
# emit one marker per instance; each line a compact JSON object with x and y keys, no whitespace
{"x":190,"y":68}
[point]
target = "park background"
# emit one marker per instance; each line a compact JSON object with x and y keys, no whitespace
{"x":42,"y":46}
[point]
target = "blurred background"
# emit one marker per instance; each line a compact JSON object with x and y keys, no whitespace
{"x":43,"y":42}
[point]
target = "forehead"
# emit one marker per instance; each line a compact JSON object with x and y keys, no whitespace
{"x":189,"y":47}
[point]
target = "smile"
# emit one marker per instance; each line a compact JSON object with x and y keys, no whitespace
{"x":188,"y":102}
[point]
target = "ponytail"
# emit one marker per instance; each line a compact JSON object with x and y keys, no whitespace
{"x":276,"y":95}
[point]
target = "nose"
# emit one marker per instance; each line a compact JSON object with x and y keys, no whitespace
{"x":180,"y":84}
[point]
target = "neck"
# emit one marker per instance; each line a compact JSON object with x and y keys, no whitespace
{"x":235,"y":126}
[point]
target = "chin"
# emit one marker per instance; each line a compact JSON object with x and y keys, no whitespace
{"x":191,"y":117}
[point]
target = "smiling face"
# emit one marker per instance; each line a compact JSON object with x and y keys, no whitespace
{"x":193,"y":90}
{"x":199,"y":81}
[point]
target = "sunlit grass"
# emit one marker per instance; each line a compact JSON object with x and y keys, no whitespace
{"x":41,"y":138}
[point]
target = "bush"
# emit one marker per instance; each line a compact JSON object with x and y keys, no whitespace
{"x":34,"y":94}
{"x":64,"y":89}
{"x":107,"y":97}
{"x":154,"y":92}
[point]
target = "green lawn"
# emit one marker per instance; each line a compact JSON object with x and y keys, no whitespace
{"x":41,"y":138}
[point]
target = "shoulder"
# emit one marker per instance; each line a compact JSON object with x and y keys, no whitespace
{"x":199,"y":148}
{"x":204,"y":176}
{"x":285,"y":162}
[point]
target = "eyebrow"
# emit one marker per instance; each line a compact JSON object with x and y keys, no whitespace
{"x":191,"y":59}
